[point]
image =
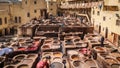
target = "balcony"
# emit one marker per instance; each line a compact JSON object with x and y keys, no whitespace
{"x":80,"y":5}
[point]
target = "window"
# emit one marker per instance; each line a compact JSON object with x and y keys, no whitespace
{"x":28,"y":14}
{"x":0,"y":21}
{"x":19,"y":19}
{"x":35,"y":2}
{"x":15,"y":19}
{"x":51,"y":9}
{"x":35,"y":11}
{"x":26,"y":2}
{"x":98,"y":12}
{"x":5,"y":20}
{"x":41,"y":11}
{"x":93,"y":12}
{"x":104,"y":18}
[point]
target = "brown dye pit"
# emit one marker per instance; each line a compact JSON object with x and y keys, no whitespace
{"x":20,"y":57}
{"x":57,"y":54}
{"x":76,"y":63}
{"x":69,"y":45}
{"x":76,"y":40}
{"x":27,"y":61}
{"x":28,"y":40}
{"x":91,"y":63}
{"x":46,"y":46}
{"x":46,"y":54}
{"x":55,"y":42}
{"x":103,"y":55}
{"x":115,"y":54}
{"x":23,"y":66}
{"x":68,"y":40}
{"x":110,"y":61}
{"x":55,"y":38}
{"x":48,"y":41}
{"x":30,"y":56}
{"x":21,"y":40}
{"x":78,"y":44}
{"x":94,"y":35}
{"x":99,"y":48}
{"x":90,"y":38}
{"x":68,"y":37}
{"x":75,"y":57}
{"x":118,"y":58}
{"x":93,"y":41}
{"x":107,"y":46}
{"x":10,"y":67}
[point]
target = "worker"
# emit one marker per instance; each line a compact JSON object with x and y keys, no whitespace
{"x":43,"y":63}
{"x":102,"y":41}
{"x":86,"y":52}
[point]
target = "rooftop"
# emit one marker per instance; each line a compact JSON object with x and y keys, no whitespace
{"x":6,"y":1}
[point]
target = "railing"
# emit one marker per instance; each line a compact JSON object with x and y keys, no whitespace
{"x":80,"y":5}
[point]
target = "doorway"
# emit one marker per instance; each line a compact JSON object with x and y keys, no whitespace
{"x":43,"y":13}
{"x":118,"y":41}
{"x":11,"y":31}
{"x":106,"y":32}
{"x":6,"y":31}
{"x":0,"y":32}
{"x":99,"y":28}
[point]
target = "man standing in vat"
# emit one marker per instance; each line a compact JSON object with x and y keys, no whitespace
{"x":102,"y":41}
{"x":43,"y":63}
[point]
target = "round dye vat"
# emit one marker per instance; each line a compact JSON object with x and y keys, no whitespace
{"x":19,"y":57}
{"x":76,"y":64}
{"x":9,"y":66}
{"x":74,"y":57}
{"x":23,"y":66}
{"x":57,"y":65}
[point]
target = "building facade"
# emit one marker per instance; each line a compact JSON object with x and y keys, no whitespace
{"x":13,"y":13}
{"x":106,"y":20}
{"x":78,"y":6}
{"x":52,"y":7}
